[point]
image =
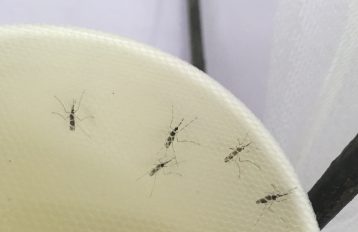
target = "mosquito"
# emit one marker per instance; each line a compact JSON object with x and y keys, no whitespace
{"x":155,"y":170}
{"x":71,"y":114}
{"x":234,"y":156}
{"x":173,"y":133}
{"x":270,"y":199}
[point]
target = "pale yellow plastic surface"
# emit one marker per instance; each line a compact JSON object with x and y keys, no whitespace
{"x":96,"y":177}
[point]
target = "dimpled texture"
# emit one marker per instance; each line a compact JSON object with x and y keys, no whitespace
{"x":96,"y":178}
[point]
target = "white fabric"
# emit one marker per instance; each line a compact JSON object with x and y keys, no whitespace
{"x":298,"y":75}
{"x":159,"y":23}
{"x":291,"y":62}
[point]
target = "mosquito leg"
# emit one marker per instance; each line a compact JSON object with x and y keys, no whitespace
{"x":151,"y":191}
{"x":173,"y":173}
{"x":62,"y":116}
{"x":188,"y":123}
{"x":79,"y":103}
{"x":281,"y":218}
{"x":271,"y":210}
{"x":238,"y":166}
{"x":171,"y":121}
{"x":85,"y":132}
{"x":275,"y":188}
{"x":251,"y":162}
{"x":239,"y":142}
{"x":262,"y":213}
{"x":142,"y":176}
{"x":87,"y":117}
{"x":61,"y":103}
{"x":281,"y":200}
{"x":175,"y":157}
{"x":161,"y":150}
{"x":187,"y":141}
{"x":165,"y":153}
{"x":172,"y":146}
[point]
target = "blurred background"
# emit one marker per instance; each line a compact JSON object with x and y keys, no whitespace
{"x":293,"y":63}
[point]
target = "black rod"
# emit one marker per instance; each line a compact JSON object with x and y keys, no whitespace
{"x":196,"y":41}
{"x":337,"y":186}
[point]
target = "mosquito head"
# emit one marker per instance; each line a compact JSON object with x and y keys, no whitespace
{"x":244,"y":146}
{"x":241,"y":148}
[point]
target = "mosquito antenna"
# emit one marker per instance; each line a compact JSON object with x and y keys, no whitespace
{"x":247,"y":144}
{"x":58,"y":114}
{"x":188,"y":123}
{"x":151,"y":191}
{"x":181,"y":121}
{"x":291,"y":190}
{"x":61,"y":103}
{"x":171,"y":121}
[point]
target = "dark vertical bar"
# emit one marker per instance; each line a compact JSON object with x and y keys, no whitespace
{"x":196,"y":41}
{"x":337,"y":186}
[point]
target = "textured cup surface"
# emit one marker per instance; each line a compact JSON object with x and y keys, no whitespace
{"x":117,"y":163}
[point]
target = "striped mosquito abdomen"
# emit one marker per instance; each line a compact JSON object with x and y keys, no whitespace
{"x":172,"y":135}
{"x":170,"y":138}
{"x":72,"y":119}
{"x":269,"y":198}
{"x":231,"y":156}
{"x":158,"y":167}
{"x":154,"y":170}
